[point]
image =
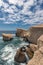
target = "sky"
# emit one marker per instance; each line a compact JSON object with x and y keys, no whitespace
{"x":20,"y":14}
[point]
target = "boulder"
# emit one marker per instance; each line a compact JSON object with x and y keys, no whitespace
{"x":21,"y":33}
{"x":29,"y":52}
{"x":33,"y":47}
{"x":37,"y":58}
{"x":30,"y":49}
{"x":24,"y":51}
{"x":40,"y":41}
{"x":35,"y":32}
{"x":20,"y":56}
{"x":7,"y":37}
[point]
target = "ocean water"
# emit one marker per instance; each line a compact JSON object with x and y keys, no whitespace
{"x":8,"y":50}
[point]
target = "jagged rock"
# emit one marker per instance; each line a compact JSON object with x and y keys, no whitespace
{"x":34,"y":33}
{"x":40,"y":41}
{"x":20,"y":56}
{"x":21,"y":33}
{"x":7,"y":37}
{"x":30,"y":49}
{"x":33,"y":47}
{"x":37,"y":58}
{"x":29,"y":52}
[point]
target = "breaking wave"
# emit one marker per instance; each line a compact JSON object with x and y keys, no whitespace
{"x":9,"y":49}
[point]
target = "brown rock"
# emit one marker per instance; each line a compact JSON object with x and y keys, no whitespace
{"x":40,"y":41}
{"x":21,"y":33}
{"x":7,"y":37}
{"x":37,"y":58}
{"x":29,"y":52}
{"x":30,"y":49}
{"x":33,"y":47}
{"x":20,"y":56}
{"x":35,"y":33}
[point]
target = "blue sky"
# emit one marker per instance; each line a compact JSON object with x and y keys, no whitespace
{"x":20,"y":13}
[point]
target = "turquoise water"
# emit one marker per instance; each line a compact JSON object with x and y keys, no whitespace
{"x":9,"y":49}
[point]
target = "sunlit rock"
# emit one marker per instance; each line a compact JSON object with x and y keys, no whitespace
{"x":30,"y":49}
{"x":7,"y":37}
{"x":21,"y":33}
{"x":35,"y":32}
{"x":37,"y":58}
{"x":40,"y":41}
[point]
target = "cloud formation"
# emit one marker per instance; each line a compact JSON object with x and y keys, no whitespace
{"x":27,"y":11}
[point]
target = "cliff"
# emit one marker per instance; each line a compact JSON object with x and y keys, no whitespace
{"x":21,"y":33}
{"x":35,"y":33}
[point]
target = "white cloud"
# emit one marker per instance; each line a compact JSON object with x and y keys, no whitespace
{"x":13,"y":17}
{"x":8,"y":22}
{"x":2,"y":18}
{"x":27,"y":6}
{"x":19,"y":2}
{"x":0,"y":2}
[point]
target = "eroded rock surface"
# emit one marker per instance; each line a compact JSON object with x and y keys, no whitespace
{"x":37,"y":58}
{"x":28,"y":50}
{"x":7,"y":37}
{"x":21,"y":33}
{"x":40,"y":41}
{"x":35,"y":33}
{"x":20,"y":56}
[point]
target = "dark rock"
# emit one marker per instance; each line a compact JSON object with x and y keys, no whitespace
{"x":20,"y":56}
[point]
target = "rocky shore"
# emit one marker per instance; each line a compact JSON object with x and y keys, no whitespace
{"x":34,"y":50}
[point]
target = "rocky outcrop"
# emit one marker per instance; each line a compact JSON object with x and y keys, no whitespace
{"x":40,"y":41}
{"x":20,"y":56}
{"x":38,"y":54}
{"x":32,"y":34}
{"x":37,"y":58}
{"x":35,"y":33}
{"x":34,"y":51}
{"x":7,"y":37}
{"x":28,"y":50}
{"x":21,"y":33}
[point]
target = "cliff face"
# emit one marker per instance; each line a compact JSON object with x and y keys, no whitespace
{"x":37,"y":58}
{"x":34,"y":51}
{"x":21,"y":33}
{"x":32,"y":34}
{"x":35,"y":33}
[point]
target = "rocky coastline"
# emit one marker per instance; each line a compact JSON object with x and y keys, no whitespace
{"x":34,"y":50}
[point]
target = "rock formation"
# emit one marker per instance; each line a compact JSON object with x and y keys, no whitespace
{"x":28,"y":50}
{"x":38,"y":54}
{"x":20,"y":56}
{"x":37,"y":58}
{"x":7,"y":37}
{"x":34,"y":50}
{"x":32,"y":34}
{"x":35,"y":33}
{"x":40,"y":41}
{"x":21,"y":33}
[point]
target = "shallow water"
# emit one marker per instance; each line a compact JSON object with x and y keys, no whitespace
{"x":8,"y":50}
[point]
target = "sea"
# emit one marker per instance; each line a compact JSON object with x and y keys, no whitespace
{"x":8,"y":49}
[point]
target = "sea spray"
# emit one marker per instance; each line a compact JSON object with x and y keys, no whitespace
{"x":9,"y":49}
